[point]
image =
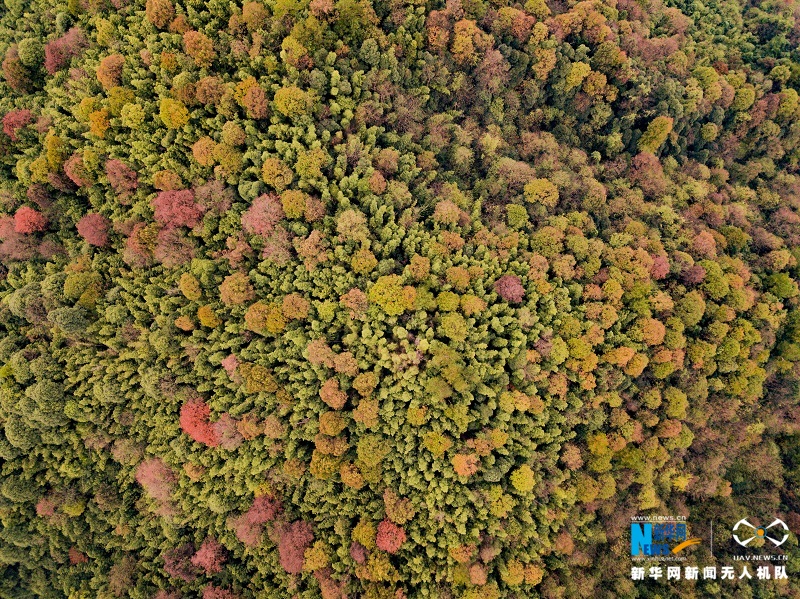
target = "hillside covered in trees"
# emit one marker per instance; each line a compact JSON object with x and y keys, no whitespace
{"x":339,"y":299}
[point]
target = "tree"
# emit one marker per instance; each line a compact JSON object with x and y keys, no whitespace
{"x":27,"y":220}
{"x":60,"y":51}
{"x":523,"y":479}
{"x":15,"y":120}
{"x":159,"y":12}
{"x":255,"y":103}
{"x":200,"y":47}
{"x":291,"y":101}
{"x":173,"y":113}
{"x":94,"y":227}
{"x":294,"y":539}
{"x":301,"y":311}
{"x":177,"y":562}
{"x":657,"y":131}
{"x":390,"y":537}
{"x":109,"y":71}
{"x":236,"y":289}
{"x":194,"y":421}
{"x":391,"y":295}
{"x":177,"y":208}
{"x":156,"y":478}
{"x":541,"y":191}
{"x":264,"y":214}
{"x":14,"y":72}
{"x":510,"y":288}
{"x":122,"y":178}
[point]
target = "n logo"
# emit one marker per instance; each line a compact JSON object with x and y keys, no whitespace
{"x":661,"y":538}
{"x":641,"y":537}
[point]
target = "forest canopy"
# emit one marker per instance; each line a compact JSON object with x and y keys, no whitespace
{"x":338,"y":298}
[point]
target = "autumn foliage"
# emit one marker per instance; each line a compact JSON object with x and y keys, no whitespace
{"x":293,"y":539}
{"x":27,"y":220}
{"x":60,"y":51}
{"x":94,"y":229}
{"x":194,"y":420}
{"x":388,"y":300}
{"x":177,"y":208}
{"x":390,"y":537}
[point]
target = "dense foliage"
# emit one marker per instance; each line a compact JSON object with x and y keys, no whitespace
{"x":395,"y":299}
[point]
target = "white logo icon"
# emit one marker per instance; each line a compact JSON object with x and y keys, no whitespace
{"x":760,"y":532}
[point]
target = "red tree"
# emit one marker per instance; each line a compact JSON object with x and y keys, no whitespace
{"x":249,"y":526}
{"x":390,"y":536}
{"x":122,"y":178}
{"x":228,"y":434}
{"x":278,"y":247}
{"x":693,"y":275}
{"x":76,"y":170}
{"x":138,"y":245}
{"x":14,"y":72}
{"x":60,"y":51}
{"x":264,"y":509}
{"x":93,"y":227}
{"x":358,"y":552}
{"x":213,"y":592}
{"x":210,"y":556}
{"x":214,"y":196}
{"x":76,"y":557}
{"x":159,"y":12}
{"x":510,"y":288}
{"x":37,"y":193}
{"x":294,"y":539}
{"x":660,"y":268}
{"x":194,"y":422}
{"x":45,"y":508}
{"x":255,"y":103}
{"x":14,"y":120}
{"x":647,"y":172}
{"x":27,"y":220}
{"x":13,"y":245}
{"x":109,"y":71}
{"x":156,"y":478}
{"x":177,"y":208}
{"x":704,"y":245}
{"x":178,"y":564}
{"x":173,"y":247}
{"x":230,"y":364}
{"x":263,"y":214}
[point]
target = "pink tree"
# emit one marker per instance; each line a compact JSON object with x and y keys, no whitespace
{"x":294,"y":539}
{"x":156,"y":478}
{"x":214,"y":592}
{"x":264,"y":213}
{"x":76,"y":170}
{"x":60,"y":51}
{"x":15,"y":120}
{"x":210,"y":556}
{"x":93,"y":227}
{"x":178,"y":564}
{"x":249,"y":526}
{"x":27,"y":220}
{"x":173,"y":247}
{"x":14,"y":245}
{"x":177,"y":208}
{"x":122,"y":178}
{"x":510,"y":288}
